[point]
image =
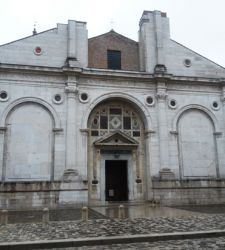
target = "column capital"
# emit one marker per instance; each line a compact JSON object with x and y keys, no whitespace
{"x":161,"y":93}
{"x":72,"y":85}
{"x":71,"y":89}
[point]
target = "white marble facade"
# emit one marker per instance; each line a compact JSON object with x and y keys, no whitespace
{"x":61,"y":121}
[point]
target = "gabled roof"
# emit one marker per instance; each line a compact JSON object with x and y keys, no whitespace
{"x":113,"y":33}
{"x":117,"y":139}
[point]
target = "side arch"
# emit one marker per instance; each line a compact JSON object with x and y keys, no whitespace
{"x":196,"y":126}
{"x":198,"y":107}
{"x":47,"y":106}
{"x":39,"y":157}
{"x":146,"y":118}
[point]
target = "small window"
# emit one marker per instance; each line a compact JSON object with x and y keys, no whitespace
{"x":103,"y":122}
{"x":94,"y":132}
{"x":126,"y":122}
{"x":57,"y":98}
{"x":187,"y":62}
{"x":150,"y":101}
{"x":83,"y":97}
{"x":215,"y":105}
{"x":172,"y":104}
{"x":136,"y":133}
{"x":114,"y":59}
{"x":4,"y":96}
{"x":38,"y":51}
{"x":115,"y":111}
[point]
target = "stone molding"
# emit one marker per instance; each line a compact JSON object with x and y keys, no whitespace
{"x":144,"y":113}
{"x":174,"y":132}
{"x":50,"y":109}
{"x":199,"y":107}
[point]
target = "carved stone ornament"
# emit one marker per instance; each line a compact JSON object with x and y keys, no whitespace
{"x":71,"y":175}
{"x":138,"y":180}
{"x":160,"y":69}
{"x":71,"y":89}
{"x":222,"y":98}
{"x":72,"y":62}
{"x":161,"y":94}
{"x":166,"y":174}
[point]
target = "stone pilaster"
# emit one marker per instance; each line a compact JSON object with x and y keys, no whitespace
{"x":223,"y":94}
{"x":220,"y":138}
{"x":83,"y":153}
{"x":71,"y":91}
{"x":162,"y":124}
{"x":2,"y":158}
{"x":148,"y":177}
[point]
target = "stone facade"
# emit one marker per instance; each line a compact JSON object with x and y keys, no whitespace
{"x":73,"y":131}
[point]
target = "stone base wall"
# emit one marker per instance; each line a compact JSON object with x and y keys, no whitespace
{"x":31,"y":195}
{"x":185,"y":192}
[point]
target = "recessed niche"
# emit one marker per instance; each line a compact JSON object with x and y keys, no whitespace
{"x":38,"y":51}
{"x":149,"y":101}
{"x":57,"y":99}
{"x":172,"y":103}
{"x":83,"y":97}
{"x":215,"y":105}
{"x":187,"y":62}
{"x":4,"y":96}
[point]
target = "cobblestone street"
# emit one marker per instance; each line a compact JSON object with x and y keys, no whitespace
{"x":101,"y":226}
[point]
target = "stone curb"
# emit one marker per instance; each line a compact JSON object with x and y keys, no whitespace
{"x":46,"y":244}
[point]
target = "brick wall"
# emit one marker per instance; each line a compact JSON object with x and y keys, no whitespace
{"x":98,"y":46}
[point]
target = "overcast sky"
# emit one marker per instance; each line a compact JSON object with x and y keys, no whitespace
{"x":197,"y":24}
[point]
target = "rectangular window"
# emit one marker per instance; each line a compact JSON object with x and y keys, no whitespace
{"x":126,"y":122}
{"x":114,"y":59}
{"x":136,"y":133}
{"x":103,"y":122}
{"x":115,"y":111}
{"x":94,"y":133}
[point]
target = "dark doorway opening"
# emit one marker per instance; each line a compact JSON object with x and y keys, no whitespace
{"x":116,"y":185}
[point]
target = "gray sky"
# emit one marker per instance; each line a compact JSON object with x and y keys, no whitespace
{"x":197,"y":24}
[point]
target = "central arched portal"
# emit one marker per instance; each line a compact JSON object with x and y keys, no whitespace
{"x":116,"y":152}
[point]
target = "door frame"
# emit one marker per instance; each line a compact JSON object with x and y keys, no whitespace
{"x":130,"y":183}
{"x":110,"y":166}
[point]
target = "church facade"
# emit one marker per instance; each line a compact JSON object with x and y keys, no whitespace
{"x":109,"y":119}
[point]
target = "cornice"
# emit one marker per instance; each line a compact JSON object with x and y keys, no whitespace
{"x":107,"y":74}
{"x":16,"y":68}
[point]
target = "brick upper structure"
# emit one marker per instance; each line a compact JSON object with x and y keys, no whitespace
{"x":98,"y":46}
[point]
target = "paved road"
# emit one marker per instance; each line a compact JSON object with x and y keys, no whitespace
{"x":100,"y":226}
{"x":108,"y":227}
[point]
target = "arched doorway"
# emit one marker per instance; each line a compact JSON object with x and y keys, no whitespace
{"x":116,"y":152}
